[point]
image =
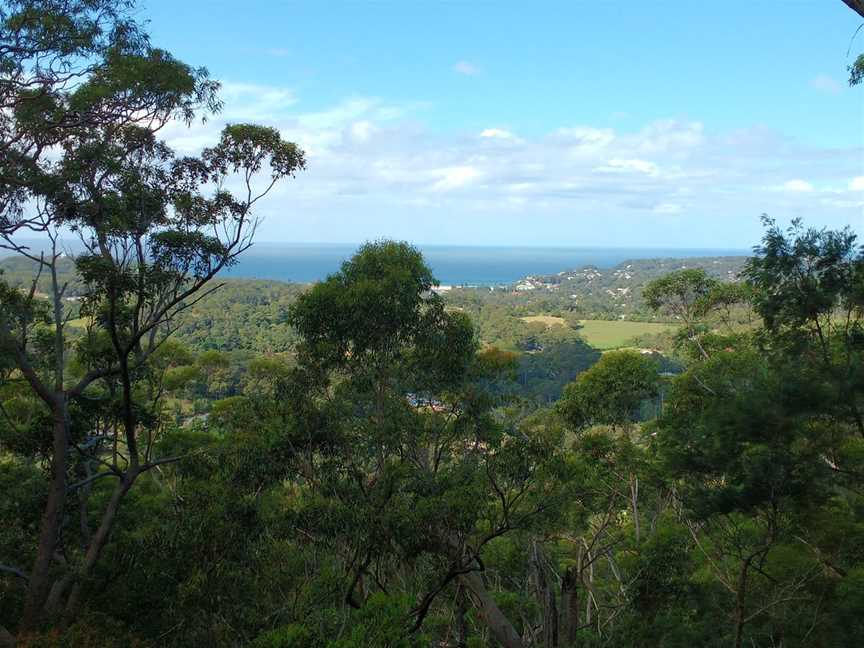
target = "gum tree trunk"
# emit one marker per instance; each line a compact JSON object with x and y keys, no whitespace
{"x":545,"y":596}
{"x":39,"y":585}
{"x":499,"y":626}
{"x":570,"y":605}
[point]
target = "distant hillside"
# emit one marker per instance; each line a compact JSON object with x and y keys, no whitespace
{"x":592,"y":292}
{"x":243,"y":315}
{"x":250,"y":314}
{"x":632,"y":273}
{"x":19,"y":272}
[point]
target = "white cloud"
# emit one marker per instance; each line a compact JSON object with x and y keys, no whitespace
{"x":466,"y":68}
{"x":667,"y":208}
{"x":586,"y":138}
{"x":346,"y":111}
{"x":521,"y":187}
{"x":375,"y":158}
{"x":498,"y":133}
{"x":256,"y":102}
{"x":670,"y":136}
{"x":843,"y":204}
{"x":825,"y":83}
{"x":616,"y":165}
{"x":455,"y":177}
{"x":797,"y":185}
{"x":362,"y":131}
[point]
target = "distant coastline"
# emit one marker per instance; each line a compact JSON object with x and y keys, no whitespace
{"x":451,"y":264}
{"x":454,"y":265}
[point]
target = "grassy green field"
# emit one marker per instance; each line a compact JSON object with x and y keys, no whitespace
{"x":602,"y":334}
{"x":548,"y":320}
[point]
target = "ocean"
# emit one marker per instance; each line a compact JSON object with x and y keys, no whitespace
{"x":452,"y":265}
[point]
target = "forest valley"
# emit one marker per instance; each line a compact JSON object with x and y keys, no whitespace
{"x":383,"y":478}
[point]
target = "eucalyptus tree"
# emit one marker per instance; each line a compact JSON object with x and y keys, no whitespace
{"x":80,"y":81}
{"x":611,"y":392}
{"x":809,"y":290}
{"x":412,"y":474}
{"x":760,"y":442}
{"x":744,"y":461}
{"x":683,"y":295}
{"x":68,"y":65}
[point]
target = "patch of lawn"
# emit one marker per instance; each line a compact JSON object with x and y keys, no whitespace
{"x":548,"y":320}
{"x":614,"y":334}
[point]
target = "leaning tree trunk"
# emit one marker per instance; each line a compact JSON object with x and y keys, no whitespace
{"x":461,"y":619}
{"x":570,"y":605}
{"x":39,"y":584}
{"x":545,"y":596}
{"x":499,"y":625}
{"x":97,"y":544}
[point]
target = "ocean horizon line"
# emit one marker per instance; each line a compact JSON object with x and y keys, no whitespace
{"x":456,"y":265}
{"x":505,"y":246}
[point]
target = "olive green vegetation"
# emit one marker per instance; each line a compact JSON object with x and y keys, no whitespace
{"x":382,"y":486}
{"x":81,"y":79}
{"x":378,"y":466}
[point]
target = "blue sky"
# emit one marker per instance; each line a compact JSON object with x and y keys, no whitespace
{"x":545,"y":123}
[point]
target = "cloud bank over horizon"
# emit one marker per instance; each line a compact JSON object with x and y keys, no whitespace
{"x":376,"y":168}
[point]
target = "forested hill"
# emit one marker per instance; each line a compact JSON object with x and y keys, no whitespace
{"x":590,"y":292}
{"x":20,"y":271}
{"x":557,"y":324}
{"x":628,"y":277}
{"x":243,"y":315}
{"x":636,"y":272}
{"x":250,"y":314}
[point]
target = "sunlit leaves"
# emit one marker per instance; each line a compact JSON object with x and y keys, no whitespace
{"x":610,"y":392}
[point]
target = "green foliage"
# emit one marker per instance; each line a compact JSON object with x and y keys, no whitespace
{"x":681,"y":294}
{"x":156,"y":229}
{"x":809,"y":287}
{"x":240,"y":148}
{"x":376,"y":301}
{"x":804,"y":275}
{"x":610,"y":392}
{"x":247,"y":315}
{"x":290,"y":636}
{"x":20,"y":507}
{"x":850,"y":602}
{"x":324,"y":466}
{"x":856,"y":71}
{"x":380,"y":624}
{"x":733,"y":423}
{"x":542,"y":376}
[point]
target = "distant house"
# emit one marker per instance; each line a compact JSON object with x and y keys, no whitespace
{"x":420,"y":402}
